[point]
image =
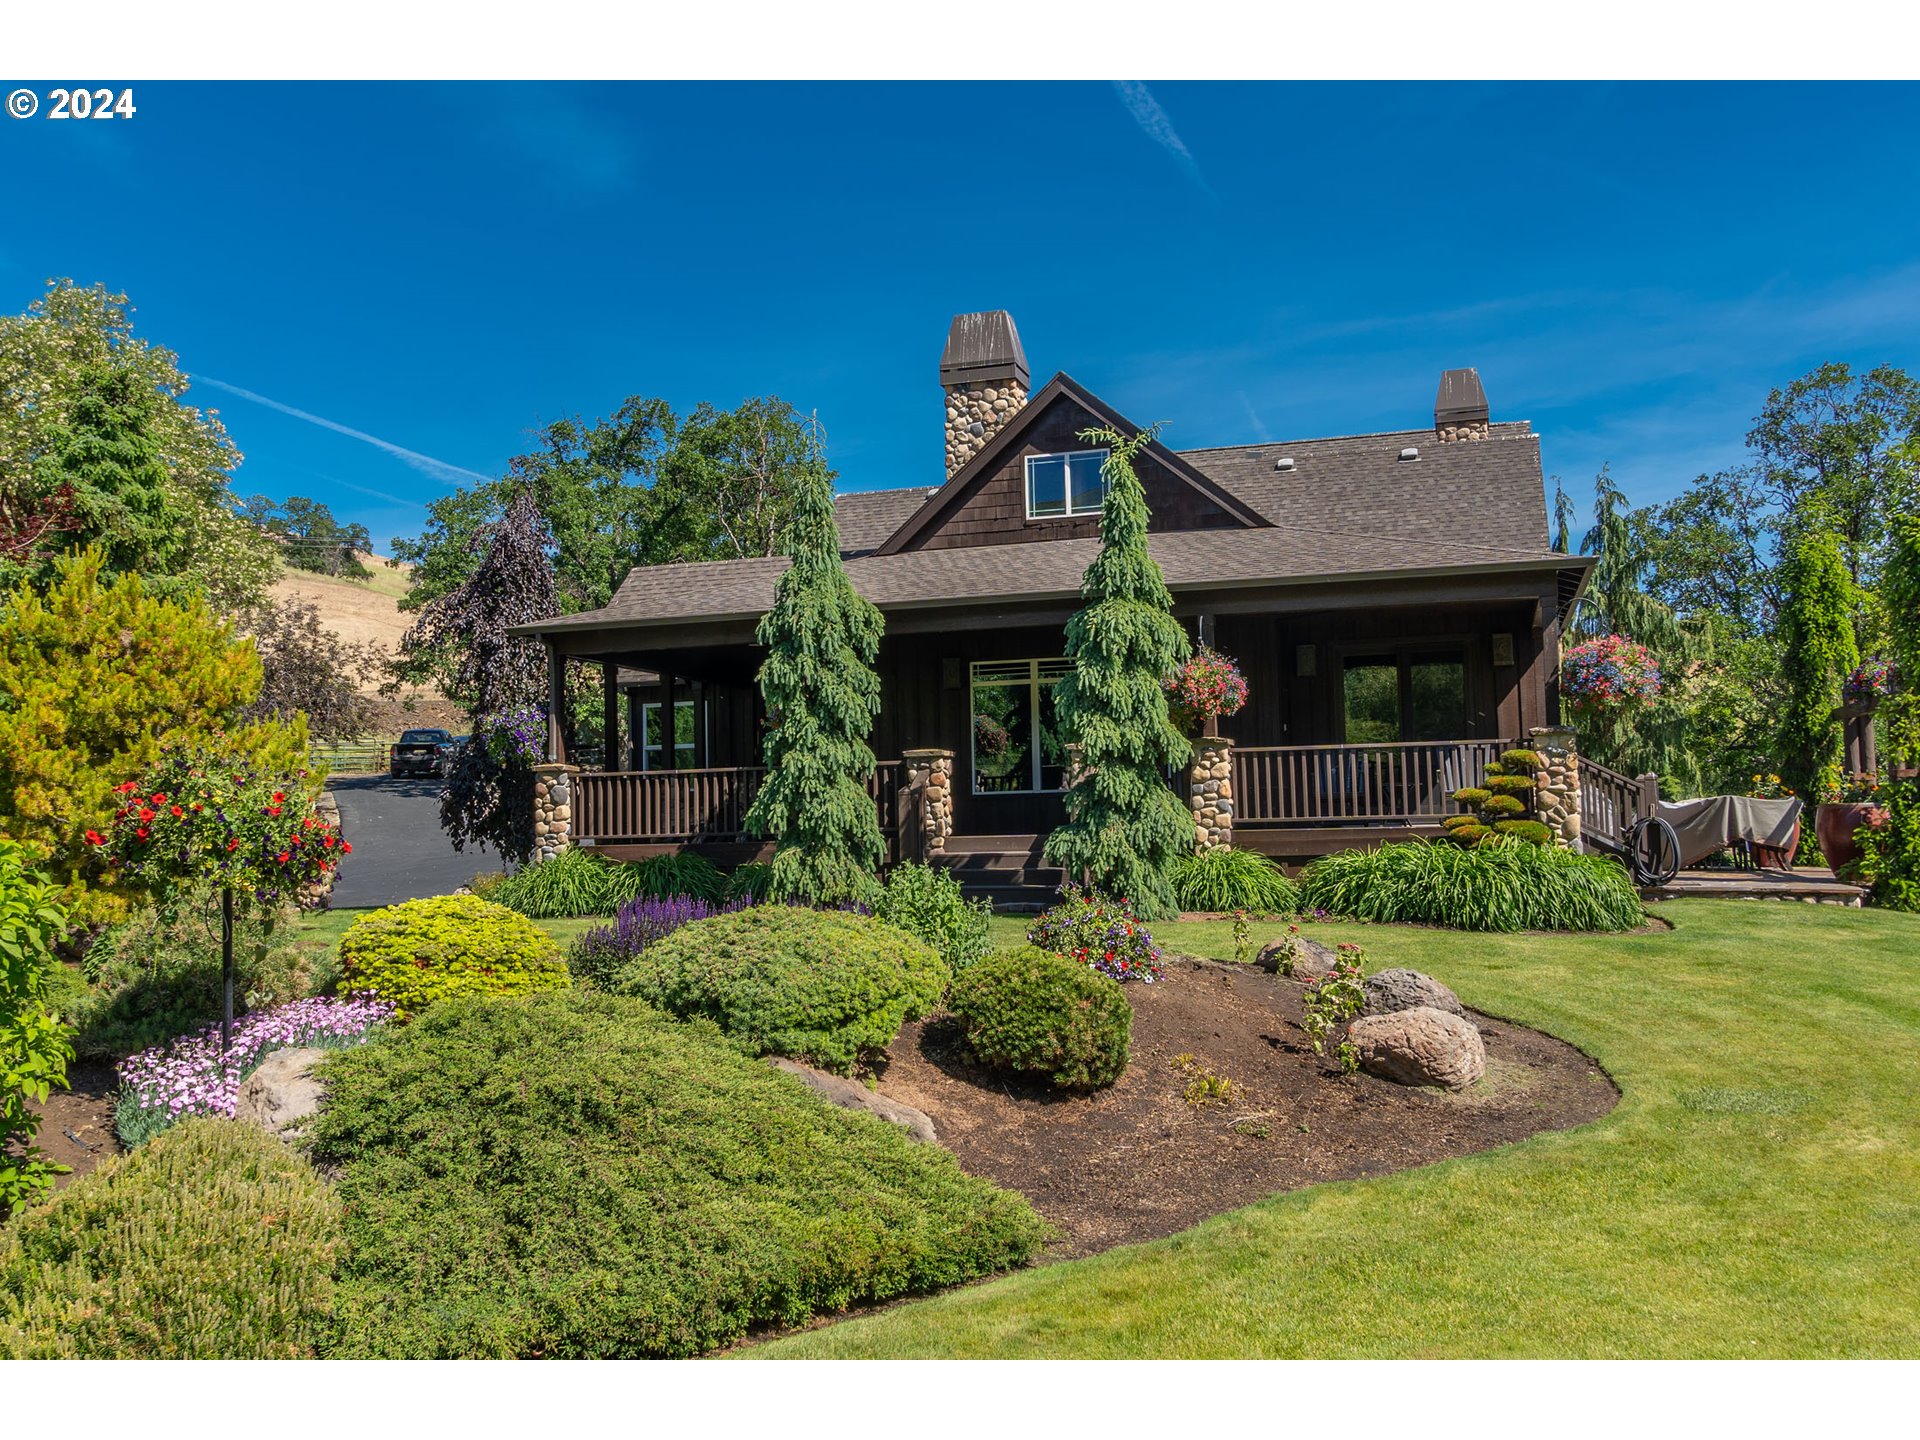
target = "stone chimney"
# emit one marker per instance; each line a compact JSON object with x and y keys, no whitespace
{"x":1460,"y":409}
{"x":984,"y":372}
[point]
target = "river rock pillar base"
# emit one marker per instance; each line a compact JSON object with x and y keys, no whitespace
{"x":552,"y":809}
{"x":1556,"y":795}
{"x":935,"y":768}
{"x":1210,"y":792}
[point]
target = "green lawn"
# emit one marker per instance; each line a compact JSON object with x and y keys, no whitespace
{"x":1757,"y":1192}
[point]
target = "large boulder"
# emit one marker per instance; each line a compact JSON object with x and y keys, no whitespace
{"x":852,"y":1095}
{"x":1311,"y":959}
{"x":282,"y":1092}
{"x":1399,"y":989}
{"x":1422,"y":1046}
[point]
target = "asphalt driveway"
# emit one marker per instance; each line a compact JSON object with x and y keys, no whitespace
{"x":399,"y":850}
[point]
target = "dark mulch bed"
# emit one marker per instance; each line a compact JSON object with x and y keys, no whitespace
{"x":1139,"y":1161}
{"x":76,"y":1126}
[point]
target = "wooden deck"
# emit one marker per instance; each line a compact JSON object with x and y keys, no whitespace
{"x":1807,"y":883}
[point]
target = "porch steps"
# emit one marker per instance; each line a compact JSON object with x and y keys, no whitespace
{"x":1008,"y":870}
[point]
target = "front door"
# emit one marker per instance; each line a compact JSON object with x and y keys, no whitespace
{"x":1016,"y":766}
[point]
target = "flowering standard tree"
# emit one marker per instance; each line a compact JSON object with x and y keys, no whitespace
{"x":1207,"y":687}
{"x":196,"y":819}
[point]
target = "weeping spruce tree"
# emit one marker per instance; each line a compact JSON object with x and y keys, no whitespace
{"x":1124,"y":825}
{"x":821,"y":694}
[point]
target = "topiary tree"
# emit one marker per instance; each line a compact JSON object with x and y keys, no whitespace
{"x":821,"y":695}
{"x":199,"y":819}
{"x":1818,"y":652}
{"x":1125,"y":826}
{"x":97,"y":677}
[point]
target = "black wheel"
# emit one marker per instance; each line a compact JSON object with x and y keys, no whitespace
{"x":1653,"y":851}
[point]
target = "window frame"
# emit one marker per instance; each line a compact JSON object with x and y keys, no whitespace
{"x":1069,"y":456}
{"x":1405,"y":654}
{"x":649,"y":712}
{"x":1033,"y":685}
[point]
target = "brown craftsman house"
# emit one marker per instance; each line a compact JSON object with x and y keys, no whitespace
{"x":1392,"y":599}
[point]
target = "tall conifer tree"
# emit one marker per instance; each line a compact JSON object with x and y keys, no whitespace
{"x":822,"y":694}
{"x":1817,"y":652}
{"x":1124,"y":825}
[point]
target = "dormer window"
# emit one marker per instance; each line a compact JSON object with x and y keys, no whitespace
{"x":1062,"y":485}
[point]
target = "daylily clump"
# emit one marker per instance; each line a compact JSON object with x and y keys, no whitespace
{"x":1610,"y":673}
{"x":190,"y":1076}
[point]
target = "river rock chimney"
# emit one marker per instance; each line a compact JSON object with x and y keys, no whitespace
{"x":984,"y":372}
{"x":1460,"y":409}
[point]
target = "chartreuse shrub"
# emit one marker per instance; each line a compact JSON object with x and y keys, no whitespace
{"x":578,"y":1175}
{"x":1039,"y":1013}
{"x":1223,"y":879}
{"x":1498,"y":884}
{"x":411,"y":955}
{"x":928,"y":902}
{"x":826,"y":986}
{"x":215,"y":1241}
{"x":34,"y":1045}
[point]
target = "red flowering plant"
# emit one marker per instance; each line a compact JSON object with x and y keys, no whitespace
{"x":1206,"y":687}
{"x":196,"y":820}
{"x":1609,"y":674}
{"x":1104,"y":935}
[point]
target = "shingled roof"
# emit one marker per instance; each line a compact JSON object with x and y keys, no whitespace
{"x":867,"y":517}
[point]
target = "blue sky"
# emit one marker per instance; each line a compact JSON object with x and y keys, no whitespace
{"x":441,"y":267}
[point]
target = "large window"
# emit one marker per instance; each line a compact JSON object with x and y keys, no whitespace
{"x":1016,"y":741}
{"x":1409,"y":695}
{"x":1061,"y":485}
{"x":653,"y":738}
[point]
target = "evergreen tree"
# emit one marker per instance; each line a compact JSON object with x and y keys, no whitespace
{"x":1124,"y":825}
{"x":105,"y":456}
{"x":821,"y":694}
{"x":1817,"y":653}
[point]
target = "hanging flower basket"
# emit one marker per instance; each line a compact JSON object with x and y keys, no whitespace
{"x":1610,"y":674}
{"x":1871,"y":679}
{"x":1208,"y":686}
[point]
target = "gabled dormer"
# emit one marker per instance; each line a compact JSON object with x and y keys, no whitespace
{"x":1018,"y":470}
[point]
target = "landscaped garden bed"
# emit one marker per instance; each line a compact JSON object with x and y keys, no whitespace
{"x":1163,"y":1148}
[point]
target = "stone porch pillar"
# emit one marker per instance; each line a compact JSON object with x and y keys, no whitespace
{"x":552,"y":809}
{"x":1556,"y":794}
{"x":1210,"y":792}
{"x":932,"y":770}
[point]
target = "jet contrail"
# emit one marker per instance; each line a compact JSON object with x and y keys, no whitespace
{"x":1148,"y":115}
{"x":440,"y":470}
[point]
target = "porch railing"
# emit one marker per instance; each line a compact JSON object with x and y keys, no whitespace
{"x":1405,"y":783}
{"x":1610,"y":802}
{"x":658,"y":807}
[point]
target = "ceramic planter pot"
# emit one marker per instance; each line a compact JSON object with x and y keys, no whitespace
{"x":1833,"y":827}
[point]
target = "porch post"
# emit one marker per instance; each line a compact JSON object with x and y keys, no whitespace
{"x":556,"y":707}
{"x":1210,"y":791}
{"x":553,"y":827}
{"x":929,"y":771}
{"x":1556,"y":792}
{"x":609,"y":715}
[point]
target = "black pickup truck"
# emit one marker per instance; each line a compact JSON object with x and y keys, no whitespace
{"x":419,"y":752}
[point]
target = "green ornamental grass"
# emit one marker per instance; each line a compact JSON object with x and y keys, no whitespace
{"x":1223,"y":879}
{"x":1498,"y":885}
{"x":579,"y":1175}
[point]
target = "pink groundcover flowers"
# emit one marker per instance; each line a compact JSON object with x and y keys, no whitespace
{"x":190,"y":1076}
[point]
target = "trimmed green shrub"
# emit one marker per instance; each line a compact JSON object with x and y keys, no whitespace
{"x":1224,"y":879}
{"x":927,"y":902}
{"x":421,"y":951}
{"x":215,"y":1241}
{"x":578,"y":1175}
{"x":1499,"y":884}
{"x":1036,"y":1012}
{"x":1500,"y":806}
{"x":825,"y":986}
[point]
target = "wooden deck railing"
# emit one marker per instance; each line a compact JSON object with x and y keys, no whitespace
{"x":1610,"y":802}
{"x":1407,"y":783}
{"x":651,"y":807}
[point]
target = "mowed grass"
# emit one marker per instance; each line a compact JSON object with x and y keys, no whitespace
{"x":1756,"y":1192}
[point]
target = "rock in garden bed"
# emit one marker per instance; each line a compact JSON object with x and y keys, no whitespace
{"x":1139,"y":1161}
{"x":1400,"y":989}
{"x":1421,"y":1046}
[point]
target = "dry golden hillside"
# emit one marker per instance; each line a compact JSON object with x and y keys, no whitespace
{"x":368,"y":612}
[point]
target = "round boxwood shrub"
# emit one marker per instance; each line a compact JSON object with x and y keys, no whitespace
{"x":1030,"y":1010}
{"x":215,"y":1241}
{"x":826,"y":986}
{"x":426,"y":950}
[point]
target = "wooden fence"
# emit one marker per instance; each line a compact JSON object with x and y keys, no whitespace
{"x":1407,"y":783}
{"x":663,"y":807}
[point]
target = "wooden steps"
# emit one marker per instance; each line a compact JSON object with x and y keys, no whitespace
{"x":1009,"y":870}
